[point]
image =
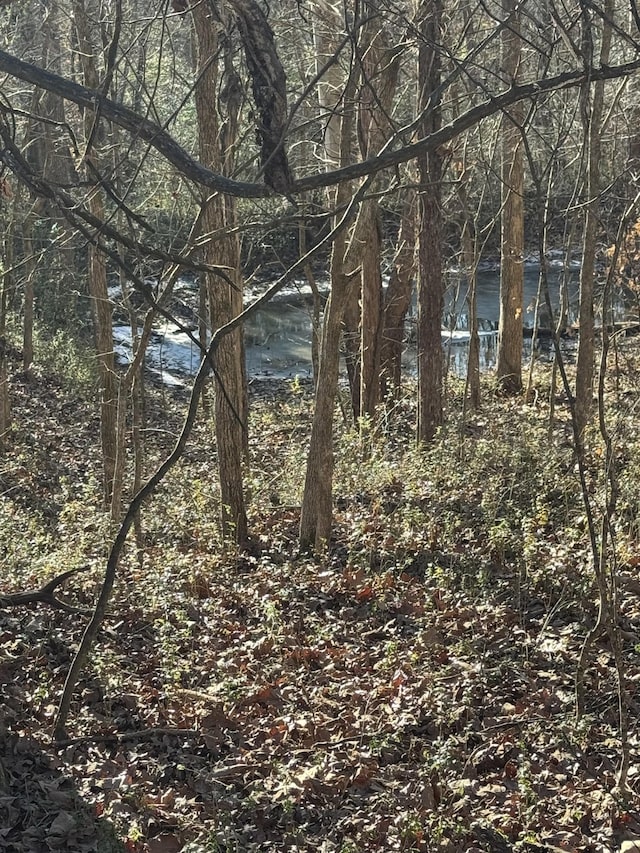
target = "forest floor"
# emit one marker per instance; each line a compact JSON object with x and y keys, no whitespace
{"x":414,"y":689}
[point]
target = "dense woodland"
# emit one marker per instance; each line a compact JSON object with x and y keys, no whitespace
{"x":366,"y":611}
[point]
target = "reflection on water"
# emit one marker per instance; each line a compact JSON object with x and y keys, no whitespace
{"x":278,"y":337}
{"x":278,"y":340}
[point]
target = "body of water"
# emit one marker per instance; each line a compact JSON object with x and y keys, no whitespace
{"x":278,"y":337}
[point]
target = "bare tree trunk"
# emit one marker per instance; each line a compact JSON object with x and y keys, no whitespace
{"x":100,"y":302}
{"x":5,"y":278}
{"x":379,"y":68}
{"x":316,"y":511}
{"x":430,"y":277}
{"x":30,"y":266}
{"x":316,"y":311}
{"x":371,"y":316}
{"x":103,"y":322}
{"x":471,"y":271}
{"x":326,"y":23}
{"x":397,"y":301}
{"x":224,"y":296}
{"x":509,"y":367}
{"x":592,"y":123}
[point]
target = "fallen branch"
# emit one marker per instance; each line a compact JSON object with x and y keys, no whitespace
{"x":44,"y":595}
{"x":124,"y":737}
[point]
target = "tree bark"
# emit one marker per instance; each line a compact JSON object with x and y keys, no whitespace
{"x":430,"y":277}
{"x":317,"y":503}
{"x":509,"y":366}
{"x":100,"y":302}
{"x":379,"y":68}
{"x":224,"y":296}
{"x":5,"y":401}
{"x":316,"y":511}
{"x":397,"y":301}
{"x":592,"y":123}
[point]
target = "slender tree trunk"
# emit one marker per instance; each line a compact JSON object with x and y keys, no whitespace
{"x":371,"y":316}
{"x":363,"y":317}
{"x":103,"y":323}
{"x":316,"y":311}
{"x":592,"y":123}
{"x":351,"y":317}
{"x":326,"y":24}
{"x":509,"y":367}
{"x":30,"y":266}
{"x":471,"y":270}
{"x":430,"y":277}
{"x":397,"y":301}
{"x":100,"y":302}
{"x":316,"y":512}
{"x":5,"y":406}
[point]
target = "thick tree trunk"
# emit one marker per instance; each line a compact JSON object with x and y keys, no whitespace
{"x":509,"y":367}
{"x":430,"y":277}
{"x":224,"y":296}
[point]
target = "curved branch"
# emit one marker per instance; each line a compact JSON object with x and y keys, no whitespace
{"x":44,"y":595}
{"x":73,"y":211}
{"x":167,"y":146}
{"x":128,"y":119}
{"x":494,"y":104}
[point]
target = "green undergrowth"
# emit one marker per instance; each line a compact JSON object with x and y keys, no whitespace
{"x":410,"y":689}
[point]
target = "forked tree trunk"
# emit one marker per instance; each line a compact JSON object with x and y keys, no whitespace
{"x":509,"y":366}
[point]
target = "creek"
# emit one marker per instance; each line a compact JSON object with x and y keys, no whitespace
{"x":278,"y":337}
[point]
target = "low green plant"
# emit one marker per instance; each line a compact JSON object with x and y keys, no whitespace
{"x":71,"y":361}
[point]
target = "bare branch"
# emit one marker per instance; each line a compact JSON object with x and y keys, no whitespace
{"x":164,"y":143}
{"x":44,"y":595}
{"x":128,"y":119}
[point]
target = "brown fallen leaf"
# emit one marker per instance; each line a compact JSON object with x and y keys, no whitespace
{"x":164,"y":843}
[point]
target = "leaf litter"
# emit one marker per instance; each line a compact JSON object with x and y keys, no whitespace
{"x":413,"y":691}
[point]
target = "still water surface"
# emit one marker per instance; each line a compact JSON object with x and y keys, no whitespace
{"x":278,"y":337}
